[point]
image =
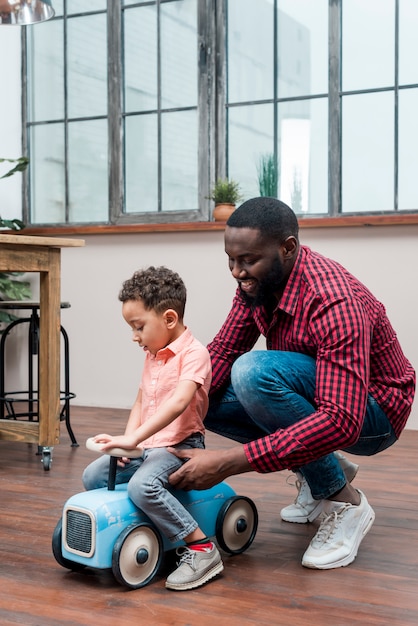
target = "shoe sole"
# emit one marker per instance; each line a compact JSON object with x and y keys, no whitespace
{"x":353,"y":553}
{"x":214,"y":571}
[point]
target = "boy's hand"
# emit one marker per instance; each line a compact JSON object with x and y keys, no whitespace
{"x":109,"y":442}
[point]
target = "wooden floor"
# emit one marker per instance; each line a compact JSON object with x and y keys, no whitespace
{"x":265,"y":585}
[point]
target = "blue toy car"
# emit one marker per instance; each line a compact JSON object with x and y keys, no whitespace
{"x":103,"y":529}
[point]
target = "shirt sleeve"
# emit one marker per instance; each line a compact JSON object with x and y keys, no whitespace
{"x":195,"y":365}
{"x":342,"y":335}
{"x":238,"y":335}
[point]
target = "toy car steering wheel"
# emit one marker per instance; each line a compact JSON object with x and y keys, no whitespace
{"x":117,"y":452}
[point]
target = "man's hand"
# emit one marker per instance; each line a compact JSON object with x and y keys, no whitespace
{"x":206,"y":468}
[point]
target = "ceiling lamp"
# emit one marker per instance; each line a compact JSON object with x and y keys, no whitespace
{"x":24,"y":12}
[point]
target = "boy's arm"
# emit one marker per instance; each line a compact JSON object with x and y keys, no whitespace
{"x":134,"y":419}
{"x":167,"y":413}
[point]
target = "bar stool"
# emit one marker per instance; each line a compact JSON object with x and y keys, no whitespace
{"x":10,"y":399}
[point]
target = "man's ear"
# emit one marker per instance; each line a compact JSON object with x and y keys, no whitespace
{"x":290,"y":247}
{"x":171,"y":318}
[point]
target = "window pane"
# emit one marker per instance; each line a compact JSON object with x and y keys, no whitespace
{"x":58,"y":6}
{"x":87,"y":171}
{"x":250,"y":136}
{"x":47,"y":185}
{"x":302,"y":151}
{"x":408,"y":42}
{"x":81,"y":6}
{"x":87,"y":66}
{"x":250,"y":50}
{"x":179,"y":54}
{"x":45,"y":71}
{"x":408,"y":140}
{"x":302,"y":47}
{"x":303,"y":155}
{"x":368,"y":152}
{"x":140,"y":49}
{"x":368,"y":44}
{"x":179,"y":161}
{"x":141,"y":164}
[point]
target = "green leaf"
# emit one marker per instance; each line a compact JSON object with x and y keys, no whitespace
{"x":21,"y":165}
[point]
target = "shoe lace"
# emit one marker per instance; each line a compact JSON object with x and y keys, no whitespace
{"x":329,"y":525}
{"x":294,"y":481}
{"x":186,"y":556}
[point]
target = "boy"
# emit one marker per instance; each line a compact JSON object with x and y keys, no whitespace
{"x":169,"y":410}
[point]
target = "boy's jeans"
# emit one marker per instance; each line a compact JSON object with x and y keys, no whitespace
{"x":148,"y":486}
{"x":272,"y":389}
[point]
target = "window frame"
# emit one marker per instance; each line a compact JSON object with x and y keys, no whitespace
{"x":213,"y":140}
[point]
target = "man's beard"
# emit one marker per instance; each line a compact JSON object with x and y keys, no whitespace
{"x":268,"y":287}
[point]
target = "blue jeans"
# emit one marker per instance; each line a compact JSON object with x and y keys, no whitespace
{"x":147,"y":479}
{"x":271,"y":389}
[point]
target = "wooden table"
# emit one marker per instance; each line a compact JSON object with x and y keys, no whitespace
{"x":21,"y":253}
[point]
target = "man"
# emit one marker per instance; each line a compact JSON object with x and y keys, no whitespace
{"x":333,"y":377}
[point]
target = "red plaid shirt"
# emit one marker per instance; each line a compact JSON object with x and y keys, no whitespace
{"x":327,"y":313}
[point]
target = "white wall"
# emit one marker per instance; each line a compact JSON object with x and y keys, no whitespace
{"x":105,"y":364}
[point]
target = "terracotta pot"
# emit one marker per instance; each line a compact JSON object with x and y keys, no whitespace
{"x":221,"y":212}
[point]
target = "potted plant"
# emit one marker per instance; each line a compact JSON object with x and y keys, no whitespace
{"x":268,"y":175}
{"x":11,"y":287}
{"x":225,"y":194}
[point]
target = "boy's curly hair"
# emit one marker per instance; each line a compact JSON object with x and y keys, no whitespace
{"x":159,"y":289}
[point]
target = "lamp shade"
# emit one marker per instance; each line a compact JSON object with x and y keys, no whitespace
{"x":25,"y":12}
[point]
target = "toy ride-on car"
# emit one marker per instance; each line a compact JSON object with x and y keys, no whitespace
{"x":103,"y":529}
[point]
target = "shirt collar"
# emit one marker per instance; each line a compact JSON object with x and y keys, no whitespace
{"x":289,"y":298}
{"x":175,"y":346}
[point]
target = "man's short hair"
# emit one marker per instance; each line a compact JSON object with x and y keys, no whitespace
{"x":272,"y":217}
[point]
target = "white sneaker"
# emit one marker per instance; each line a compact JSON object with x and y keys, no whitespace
{"x":338,"y":538}
{"x":305,"y":508}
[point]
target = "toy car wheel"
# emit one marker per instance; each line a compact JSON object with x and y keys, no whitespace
{"x":137,"y":555}
{"x":57,"y":551}
{"x":236,"y":524}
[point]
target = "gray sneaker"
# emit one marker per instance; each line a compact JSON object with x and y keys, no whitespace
{"x":195,"y":568}
{"x":305,"y":508}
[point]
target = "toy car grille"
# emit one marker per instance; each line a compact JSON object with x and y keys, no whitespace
{"x":78,"y":532}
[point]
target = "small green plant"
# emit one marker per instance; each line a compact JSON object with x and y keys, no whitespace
{"x":268,"y":176}
{"x":21,"y":165}
{"x":226,"y":191}
{"x":11,"y":287}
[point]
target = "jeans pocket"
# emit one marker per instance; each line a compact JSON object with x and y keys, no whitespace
{"x":368,"y":446}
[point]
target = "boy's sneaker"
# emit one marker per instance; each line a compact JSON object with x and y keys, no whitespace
{"x":338,"y":538}
{"x":195,"y":568}
{"x":305,"y":508}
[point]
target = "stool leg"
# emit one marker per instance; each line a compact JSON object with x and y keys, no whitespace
{"x":65,"y":413}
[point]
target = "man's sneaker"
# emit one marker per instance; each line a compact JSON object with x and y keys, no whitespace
{"x":195,"y":568}
{"x":305,"y":508}
{"x":349,"y":468}
{"x":338,"y":538}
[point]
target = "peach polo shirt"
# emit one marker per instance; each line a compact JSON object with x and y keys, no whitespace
{"x":183,"y":359}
